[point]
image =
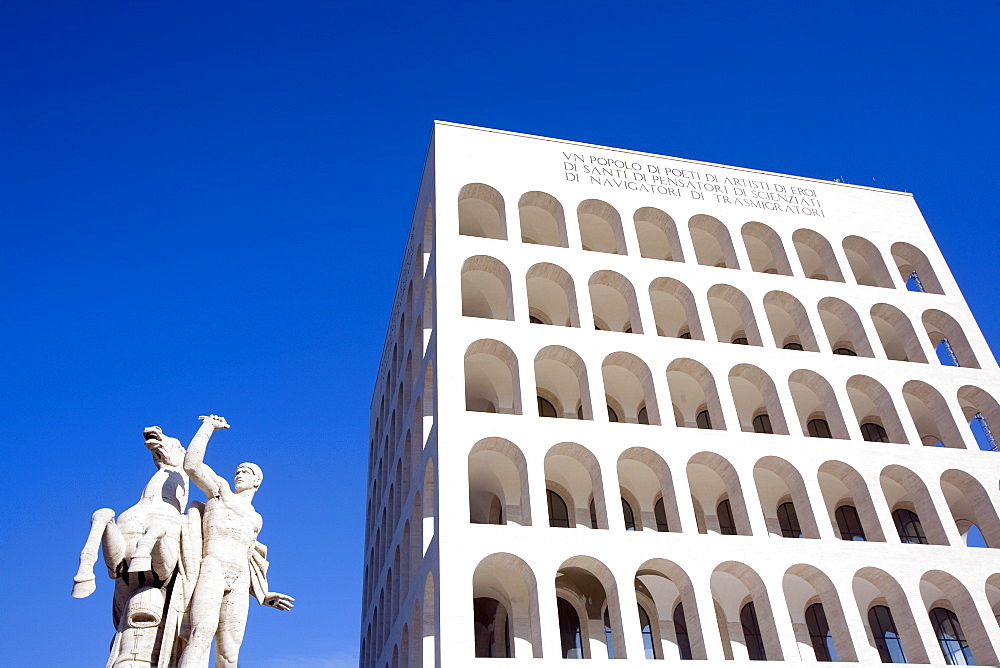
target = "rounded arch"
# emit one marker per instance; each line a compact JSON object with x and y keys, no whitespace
{"x":756,"y":399}
{"x":646,"y":478}
{"x":765,"y":250}
{"x":866,"y":263}
{"x":816,"y":405}
{"x":508,"y":579}
{"x":713,"y":480}
{"x":693,"y":395}
{"x":551,"y":296}
{"x":970,"y":505}
{"x":486,"y":291}
{"x":657,"y":235}
{"x":736,"y":588}
{"x":733,"y":316}
{"x":895,"y":332}
{"x":779,"y":483}
{"x":873,"y":406}
{"x":843,"y":327}
{"x":601,"y":227}
{"x":628,"y":386}
{"x":805,"y":585}
{"x":874,"y":587}
{"x":915,"y":269}
{"x":931,"y":415}
{"x":669,"y":589}
{"x":789,"y":322}
{"x":572,"y":472}
{"x":674,"y":309}
{"x":816,"y":256}
{"x":492,"y":382}
{"x":481,"y":212}
{"x":905,"y":491}
{"x":498,"y":483}
{"x":982,"y":413}
{"x":849,"y":503}
{"x":949,"y":340}
{"x":590,"y":587}
{"x":561,"y":380}
{"x":713,"y":245}
{"x":942,"y":590}
{"x":613,"y":300}
{"x":542,"y":219}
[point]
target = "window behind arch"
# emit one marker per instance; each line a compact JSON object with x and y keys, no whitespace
{"x":908,"y":527}
{"x":629,"y":515}
{"x":492,"y":629}
{"x":951,"y":638}
{"x":792,"y":346}
{"x":648,"y":642}
{"x":874,"y":433}
{"x":558,"y":512}
{"x":681,"y":631}
{"x":703,"y":420}
{"x":612,"y":415}
{"x":849,"y":523}
{"x":546,"y":409}
{"x":789,"y":521}
{"x":887,"y":642}
{"x":819,"y":633}
{"x":570,"y":635}
{"x":660,"y":513}
{"x":609,"y":636}
{"x":751,"y":633}
{"x":741,"y":341}
{"x":844,"y":351}
{"x":762,"y":424}
{"x":643,"y":416}
{"x":727,"y":525}
{"x":819,"y":428}
{"x":593,"y":514}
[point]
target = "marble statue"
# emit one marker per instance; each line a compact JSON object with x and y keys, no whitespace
{"x":157,"y":556}
{"x":234,"y":565}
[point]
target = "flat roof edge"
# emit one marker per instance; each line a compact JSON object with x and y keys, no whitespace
{"x":657,"y":155}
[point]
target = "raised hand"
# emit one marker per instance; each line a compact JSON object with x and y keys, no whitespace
{"x":278,"y":601}
{"x":216,"y":421}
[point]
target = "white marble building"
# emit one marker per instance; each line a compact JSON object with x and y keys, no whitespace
{"x":563,"y":334}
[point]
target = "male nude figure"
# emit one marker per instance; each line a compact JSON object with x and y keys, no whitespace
{"x":230,"y":569}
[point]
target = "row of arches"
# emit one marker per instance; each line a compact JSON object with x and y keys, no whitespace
{"x":482,"y":213}
{"x":902,"y":506}
{"x":552,"y":300}
{"x":733,"y":614}
{"x":758,"y":404}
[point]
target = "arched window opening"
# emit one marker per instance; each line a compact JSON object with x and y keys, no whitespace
{"x":646,"y":628}
{"x":492,"y":629}
{"x":685,"y":335}
{"x":643,"y":416}
{"x":950,"y":343}
{"x":741,"y":341}
{"x":570,"y":633}
{"x":674,"y":310}
{"x":945,"y":353}
{"x":693,"y":392}
{"x":951,"y":638}
{"x":486,"y":289}
{"x":612,"y":415}
{"x":609,"y":636}
{"x":660,"y":515}
{"x":657,"y":235}
{"x":535,"y":321}
{"x":847,"y":352}
{"x":551,"y":296}
{"x":764,"y":249}
{"x":874,"y":433}
{"x":681,"y":632}
{"x":593,"y":514}
{"x":704,"y":420}
{"x":844,"y":329}
{"x":613,"y":301}
{"x":713,"y":247}
{"x":849,"y":524}
{"x":792,"y":346}
{"x":819,"y":428}
{"x":915,"y":269}
{"x":908,"y":527}
{"x":561,"y":379}
{"x":751,"y":633}
{"x":600,"y":227}
{"x":558,"y":512}
{"x":816,"y":256}
{"x":819,"y":633}
{"x":762,"y":424}
{"x":727,"y":525}
{"x":866,"y":263}
{"x":481,"y":212}
{"x":546,"y":409}
{"x":887,"y":642}
{"x":789,"y":521}
{"x":488,"y":510}
{"x":791,"y":328}
{"x":491,"y":378}
{"x":629,"y":515}
{"x":733,"y":316}
{"x":542,"y":219}
{"x":895,"y":331}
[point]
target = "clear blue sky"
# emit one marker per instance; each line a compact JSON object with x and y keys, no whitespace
{"x":190,"y":190}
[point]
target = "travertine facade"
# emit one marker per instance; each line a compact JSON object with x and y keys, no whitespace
{"x":563,"y":333}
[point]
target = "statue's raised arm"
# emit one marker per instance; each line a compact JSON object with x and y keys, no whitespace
{"x":194,"y":460}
